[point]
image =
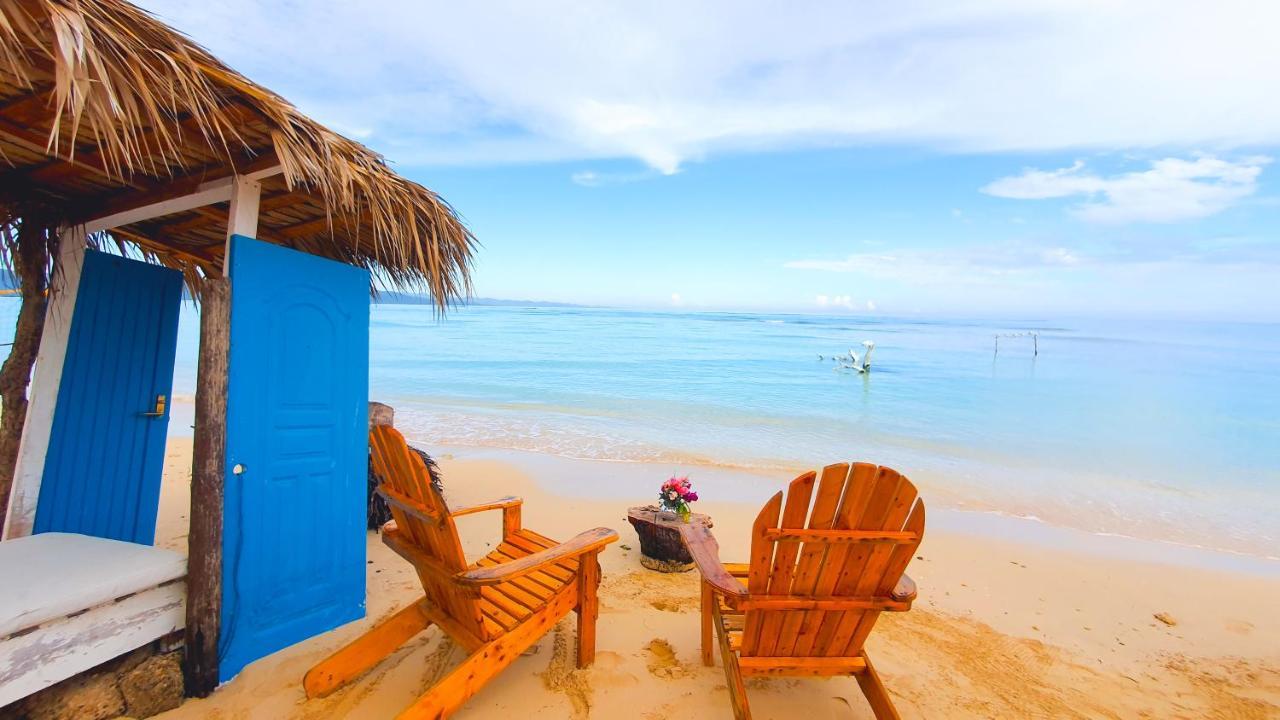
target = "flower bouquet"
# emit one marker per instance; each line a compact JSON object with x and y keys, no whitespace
{"x":675,"y":496}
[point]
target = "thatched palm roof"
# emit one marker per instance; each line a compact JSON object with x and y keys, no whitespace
{"x":102,"y":104}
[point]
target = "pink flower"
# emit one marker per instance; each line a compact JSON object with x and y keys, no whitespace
{"x":677,"y":492}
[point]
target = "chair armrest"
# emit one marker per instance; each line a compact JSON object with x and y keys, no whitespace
{"x":587,"y":542}
{"x":408,"y":505}
{"x":905,"y":591}
{"x":499,"y":504}
{"x":705,"y":551}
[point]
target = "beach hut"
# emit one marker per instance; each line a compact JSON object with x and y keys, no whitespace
{"x":134,"y":164}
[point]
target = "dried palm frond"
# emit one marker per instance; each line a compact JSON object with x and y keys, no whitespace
{"x":154,"y":104}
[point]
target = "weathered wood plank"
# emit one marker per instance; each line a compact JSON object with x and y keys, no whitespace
{"x":62,"y":648}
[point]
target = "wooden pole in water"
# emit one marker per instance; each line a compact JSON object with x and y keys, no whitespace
{"x":204,"y":564}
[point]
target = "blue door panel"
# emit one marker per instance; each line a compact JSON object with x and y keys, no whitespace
{"x":293,"y":528}
{"x":105,"y":459}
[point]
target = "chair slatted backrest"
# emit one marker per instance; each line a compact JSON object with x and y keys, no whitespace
{"x":829,"y":560}
{"x":403,"y":475}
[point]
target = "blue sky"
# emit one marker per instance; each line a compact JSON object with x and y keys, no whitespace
{"x":987,"y":157}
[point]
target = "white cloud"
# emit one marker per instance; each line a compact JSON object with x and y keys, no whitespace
{"x":1059,"y":256}
{"x":921,"y":266}
{"x":591,"y":178}
{"x":1172,"y":189}
{"x":844,"y":302}
{"x":669,"y":82}
{"x":676,"y":300}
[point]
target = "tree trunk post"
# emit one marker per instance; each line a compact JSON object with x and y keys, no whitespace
{"x":30,"y":257}
{"x":204,"y":552}
{"x":661,"y":547}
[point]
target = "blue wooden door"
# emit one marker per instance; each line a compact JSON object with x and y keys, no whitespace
{"x":106,"y":447}
{"x":297,"y":450}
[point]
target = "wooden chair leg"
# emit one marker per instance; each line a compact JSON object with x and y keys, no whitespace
{"x":708,"y":606}
{"x":877,"y":696}
{"x":732,"y":673}
{"x":484,"y":664}
{"x":588,"y":607}
{"x":365,"y":651}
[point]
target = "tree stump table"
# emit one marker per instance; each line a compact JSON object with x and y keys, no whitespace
{"x":661,"y":547}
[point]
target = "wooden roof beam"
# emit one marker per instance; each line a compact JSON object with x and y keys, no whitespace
{"x":179,"y":196}
{"x":217,"y":216}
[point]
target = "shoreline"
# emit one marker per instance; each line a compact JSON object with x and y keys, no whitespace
{"x":949,"y":491}
{"x":1133,"y":501}
{"x":982,"y":522}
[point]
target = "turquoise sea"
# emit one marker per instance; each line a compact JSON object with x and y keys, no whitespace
{"x":1166,"y":430}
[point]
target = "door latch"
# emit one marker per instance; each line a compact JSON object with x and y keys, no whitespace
{"x":159,"y":410}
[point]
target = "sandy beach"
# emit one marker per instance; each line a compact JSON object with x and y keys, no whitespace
{"x":1011,"y":621}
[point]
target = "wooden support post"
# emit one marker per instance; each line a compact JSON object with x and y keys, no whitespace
{"x":877,"y":696}
{"x":708,"y":607}
{"x":242,"y":217}
{"x":204,"y":564}
{"x":511,"y":522}
{"x":588,"y":606}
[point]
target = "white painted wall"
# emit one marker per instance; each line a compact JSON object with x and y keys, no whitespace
{"x":25,"y":493}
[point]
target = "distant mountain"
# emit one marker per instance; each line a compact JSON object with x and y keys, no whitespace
{"x":403,"y":298}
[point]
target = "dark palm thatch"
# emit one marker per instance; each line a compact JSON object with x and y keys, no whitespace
{"x":128,"y":104}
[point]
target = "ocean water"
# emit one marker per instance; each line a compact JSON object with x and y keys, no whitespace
{"x":1165,"y":430}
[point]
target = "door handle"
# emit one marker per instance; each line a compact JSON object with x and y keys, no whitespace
{"x":159,"y":409}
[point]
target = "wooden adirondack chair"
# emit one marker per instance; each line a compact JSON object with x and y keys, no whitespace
{"x":496,"y":607}
{"x":819,"y":577}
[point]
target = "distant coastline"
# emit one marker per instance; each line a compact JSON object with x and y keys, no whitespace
{"x":403,"y":298}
